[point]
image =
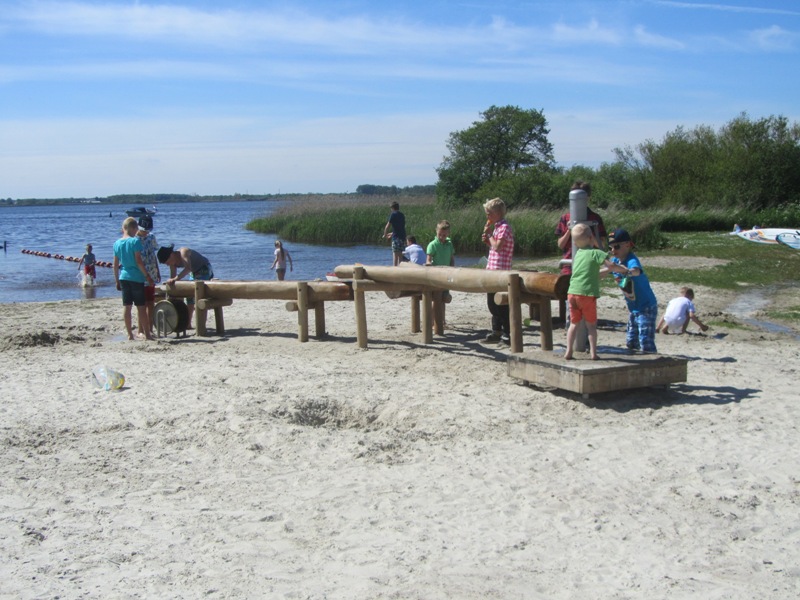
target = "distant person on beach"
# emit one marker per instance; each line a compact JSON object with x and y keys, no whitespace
{"x":584,"y":287}
{"x":414,"y":252}
{"x":279,"y":264}
{"x":89,"y":262}
{"x":397,"y":225}
{"x":131,"y":276}
{"x":150,"y":259}
{"x":679,"y":312}
{"x":441,"y":251}
{"x":563,"y":227}
{"x":499,"y":236}
{"x":192,"y":263}
{"x":638,"y":294}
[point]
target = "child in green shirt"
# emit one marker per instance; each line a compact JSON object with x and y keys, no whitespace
{"x":584,"y":287}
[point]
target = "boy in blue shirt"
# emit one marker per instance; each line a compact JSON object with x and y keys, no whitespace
{"x":638,"y":294}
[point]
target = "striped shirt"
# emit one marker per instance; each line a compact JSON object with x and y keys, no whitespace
{"x":500,"y":259}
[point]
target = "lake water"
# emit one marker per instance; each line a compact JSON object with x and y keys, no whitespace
{"x":215,"y":229}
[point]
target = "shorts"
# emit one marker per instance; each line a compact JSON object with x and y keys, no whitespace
{"x":149,"y":294}
{"x":132,"y":292}
{"x":398,"y":245}
{"x":582,"y":308}
{"x":89,"y":270}
{"x":281,"y":271}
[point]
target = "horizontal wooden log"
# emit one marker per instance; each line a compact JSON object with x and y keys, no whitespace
{"x":293,"y":306}
{"x":209,"y":303}
{"x":262,"y":290}
{"x":464,"y":279}
{"x":502,"y":298}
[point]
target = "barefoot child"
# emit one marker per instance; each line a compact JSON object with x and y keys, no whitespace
{"x":131,"y":276}
{"x":679,"y":312}
{"x":584,"y":287}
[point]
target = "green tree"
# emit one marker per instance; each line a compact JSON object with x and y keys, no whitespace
{"x":505,"y":142}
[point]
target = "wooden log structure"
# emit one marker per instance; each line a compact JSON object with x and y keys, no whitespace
{"x":215,"y":295}
{"x":424,"y":285}
{"x":463,"y":279}
{"x":518,"y":287}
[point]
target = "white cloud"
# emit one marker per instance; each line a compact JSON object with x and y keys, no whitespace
{"x":774,"y":38}
{"x":592,"y":33}
{"x":646,"y":38}
{"x":767,"y":10}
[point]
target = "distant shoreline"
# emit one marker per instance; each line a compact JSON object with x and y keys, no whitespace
{"x":148,"y":199}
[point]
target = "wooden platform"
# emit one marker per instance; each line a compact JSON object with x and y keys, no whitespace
{"x":613,"y":372}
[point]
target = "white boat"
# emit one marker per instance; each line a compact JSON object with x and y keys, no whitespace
{"x":762,"y":235}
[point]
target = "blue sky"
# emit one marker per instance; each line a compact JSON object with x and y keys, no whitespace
{"x":110,"y":97}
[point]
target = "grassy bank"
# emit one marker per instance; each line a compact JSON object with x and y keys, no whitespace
{"x":353,"y":219}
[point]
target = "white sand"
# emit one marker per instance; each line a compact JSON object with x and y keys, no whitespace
{"x":254,"y":466}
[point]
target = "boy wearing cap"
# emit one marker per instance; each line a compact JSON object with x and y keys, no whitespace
{"x":150,"y":259}
{"x":638,"y":294}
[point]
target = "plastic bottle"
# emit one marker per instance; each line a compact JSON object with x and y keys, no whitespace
{"x":107,"y":378}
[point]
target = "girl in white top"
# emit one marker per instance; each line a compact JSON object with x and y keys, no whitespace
{"x":279,"y":264}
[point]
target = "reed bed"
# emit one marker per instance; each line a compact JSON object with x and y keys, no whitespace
{"x":354,"y":219}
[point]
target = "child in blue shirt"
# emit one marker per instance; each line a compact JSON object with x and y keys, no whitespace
{"x":638,"y":294}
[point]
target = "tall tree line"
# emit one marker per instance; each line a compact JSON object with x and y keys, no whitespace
{"x":747,"y":163}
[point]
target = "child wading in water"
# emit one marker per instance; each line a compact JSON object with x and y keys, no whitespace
{"x":584,"y":287}
{"x":88,"y":261}
{"x":279,"y":264}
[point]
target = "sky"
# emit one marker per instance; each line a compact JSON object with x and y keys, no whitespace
{"x":313,"y":96}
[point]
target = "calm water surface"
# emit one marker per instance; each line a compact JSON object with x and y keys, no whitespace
{"x":215,"y":229}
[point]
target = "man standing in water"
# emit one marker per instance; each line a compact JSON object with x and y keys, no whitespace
{"x":397,"y":224}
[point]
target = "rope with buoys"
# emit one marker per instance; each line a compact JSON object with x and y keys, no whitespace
{"x":77,"y":259}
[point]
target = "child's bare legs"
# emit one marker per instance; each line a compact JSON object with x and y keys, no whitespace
{"x":591,"y":331}
{"x":149,"y":308}
{"x":190,"y":310}
{"x":144,"y":322}
{"x":126,"y":314}
{"x":572,"y":333}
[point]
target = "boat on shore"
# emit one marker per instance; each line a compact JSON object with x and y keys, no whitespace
{"x":140,"y":211}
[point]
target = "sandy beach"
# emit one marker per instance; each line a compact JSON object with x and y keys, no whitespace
{"x":256,"y":466}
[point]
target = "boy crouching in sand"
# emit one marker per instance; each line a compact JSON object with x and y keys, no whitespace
{"x":584,"y":287}
{"x":679,"y":312}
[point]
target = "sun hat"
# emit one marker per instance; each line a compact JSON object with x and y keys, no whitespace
{"x":164,"y":253}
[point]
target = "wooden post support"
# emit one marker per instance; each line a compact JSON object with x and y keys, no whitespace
{"x":361,"y":307}
{"x":438,"y":313}
{"x":302,"y":310}
{"x":427,"y":318}
{"x":545,"y":324}
{"x":415,"y":299}
{"x":515,"y":312}
{"x":201,"y":313}
{"x":319,"y":319}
